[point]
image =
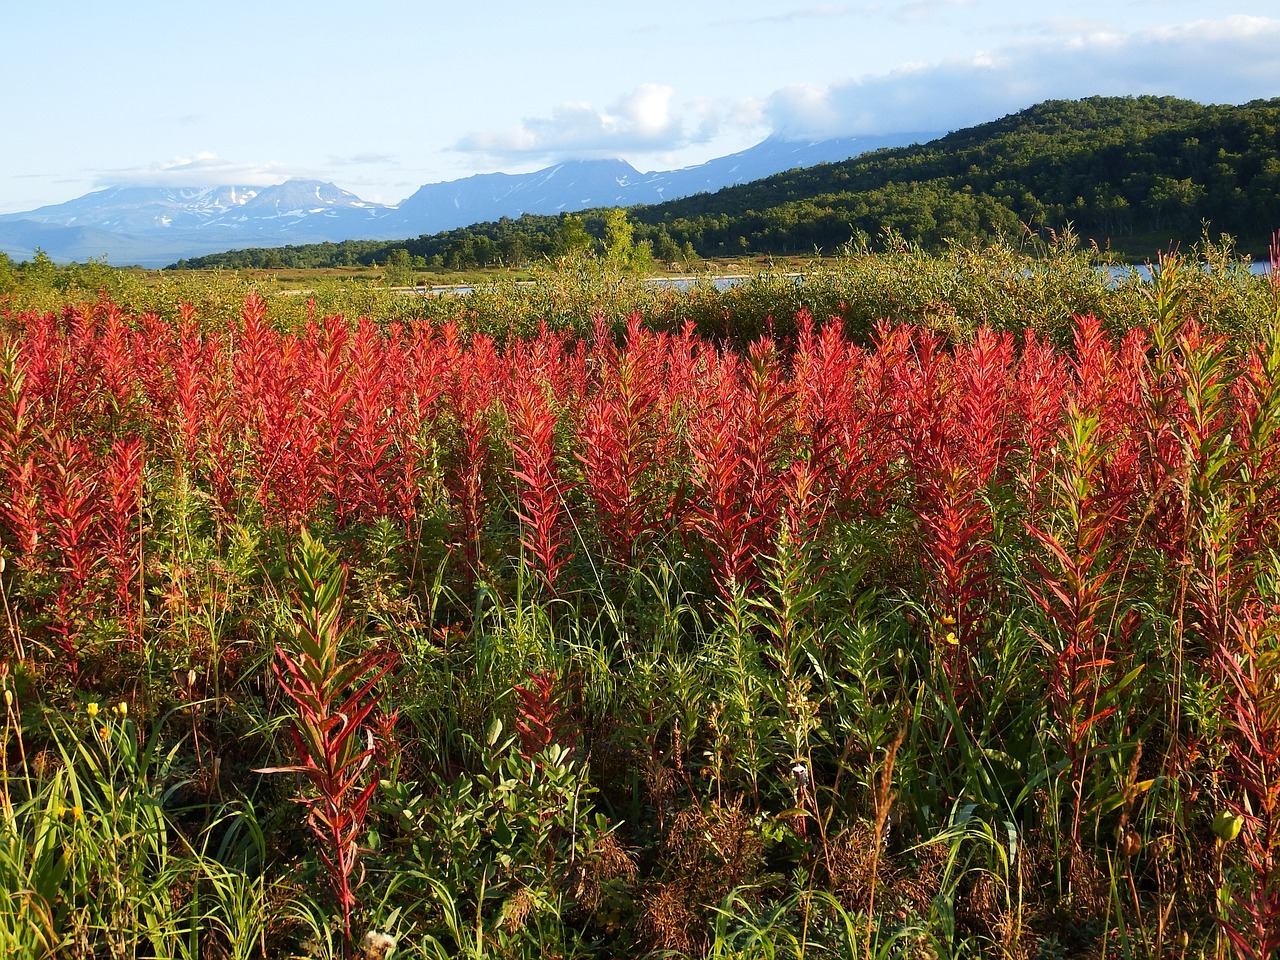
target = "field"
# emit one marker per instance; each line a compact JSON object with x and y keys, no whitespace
{"x":926,"y":608}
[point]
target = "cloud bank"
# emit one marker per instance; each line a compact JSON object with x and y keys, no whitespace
{"x":647,"y":119}
{"x":1212,"y":61}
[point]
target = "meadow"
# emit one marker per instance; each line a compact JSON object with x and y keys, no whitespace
{"x":927,"y":607}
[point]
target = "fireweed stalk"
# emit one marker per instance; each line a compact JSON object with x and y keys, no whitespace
{"x":334,"y":695}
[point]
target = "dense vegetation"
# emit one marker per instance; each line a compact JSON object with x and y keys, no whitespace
{"x":1134,"y":174}
{"x":586,"y":619}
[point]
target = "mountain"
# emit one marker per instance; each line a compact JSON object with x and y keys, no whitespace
{"x":573,"y":185}
{"x":153,"y":226}
{"x":581,"y":184}
{"x":147,"y":225}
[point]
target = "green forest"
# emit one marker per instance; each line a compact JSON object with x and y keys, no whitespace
{"x":1130,"y":174}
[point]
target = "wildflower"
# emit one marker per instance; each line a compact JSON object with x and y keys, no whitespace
{"x":92,"y":709}
{"x":947,"y":619}
{"x":952,"y":639}
{"x":122,"y":708}
{"x":76,"y":812}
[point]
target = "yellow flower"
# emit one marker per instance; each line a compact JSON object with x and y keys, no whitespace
{"x":122,"y":708}
{"x":948,"y":619}
{"x":77,"y":813}
{"x":92,"y":709}
{"x":953,"y":640}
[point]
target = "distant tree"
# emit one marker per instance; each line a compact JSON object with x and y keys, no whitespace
{"x":1174,"y":202}
{"x":8,"y":274}
{"x":41,"y":271}
{"x":665,"y":248}
{"x":571,"y":239}
{"x":397,"y":271}
{"x":619,"y":238}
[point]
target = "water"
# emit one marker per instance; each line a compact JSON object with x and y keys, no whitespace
{"x":1115,"y":275}
{"x":1145,"y":271}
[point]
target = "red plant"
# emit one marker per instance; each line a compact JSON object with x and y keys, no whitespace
{"x":72,"y":503}
{"x":825,"y":371}
{"x":122,"y":505}
{"x":20,"y":499}
{"x":1079,"y":585}
{"x":375,"y":421}
{"x":957,"y":524}
{"x":738,"y":444}
{"x":1249,"y":662}
{"x":542,"y":492}
{"x":325,"y":388}
{"x":625,"y":440}
{"x":475,"y":375}
{"x":540,"y":720}
{"x":720,"y":510}
{"x":334,"y":697}
{"x":1040,"y":387}
{"x":270,"y":377}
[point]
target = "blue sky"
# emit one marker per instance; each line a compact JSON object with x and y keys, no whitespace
{"x":382,"y":96}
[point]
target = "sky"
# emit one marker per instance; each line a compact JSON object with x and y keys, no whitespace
{"x":382,"y":96}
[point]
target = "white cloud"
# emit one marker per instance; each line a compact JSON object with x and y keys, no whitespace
{"x":201,"y":170}
{"x":646,"y":120}
{"x":918,"y":10}
{"x":1212,"y":61}
{"x":360,"y":159}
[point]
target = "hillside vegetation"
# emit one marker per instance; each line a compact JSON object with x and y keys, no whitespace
{"x":1133,"y":174}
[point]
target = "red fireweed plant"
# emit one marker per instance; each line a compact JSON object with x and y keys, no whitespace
{"x":122,"y":475}
{"x":20,"y":501}
{"x":326,"y":392}
{"x":719,"y":508}
{"x":334,"y":696}
{"x":542,"y":490}
{"x":1248,"y":661}
{"x":625,"y":440}
{"x":376,"y":421}
{"x":1080,"y":574}
{"x":474,"y":376}
{"x":71,"y":496}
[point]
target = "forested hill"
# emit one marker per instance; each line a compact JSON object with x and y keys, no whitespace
{"x":1133,"y":173}
{"x":1120,"y":169}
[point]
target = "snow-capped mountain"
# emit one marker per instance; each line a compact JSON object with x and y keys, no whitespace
{"x":154,"y":226}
